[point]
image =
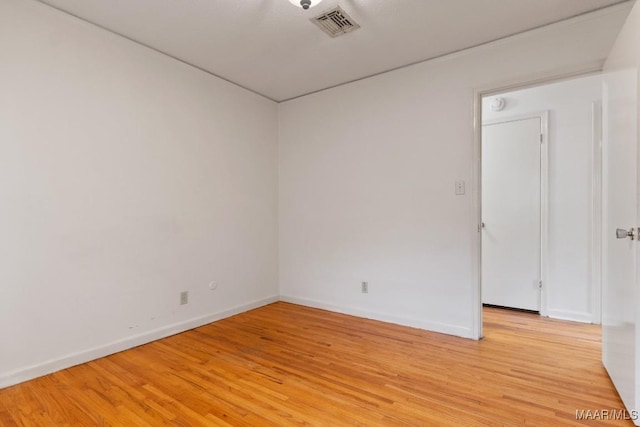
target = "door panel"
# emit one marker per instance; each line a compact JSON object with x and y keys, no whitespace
{"x":619,"y":189}
{"x":511,"y":213}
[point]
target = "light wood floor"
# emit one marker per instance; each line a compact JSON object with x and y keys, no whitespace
{"x":284,"y":364}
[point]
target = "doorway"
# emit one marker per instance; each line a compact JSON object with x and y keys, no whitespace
{"x":558,"y":276}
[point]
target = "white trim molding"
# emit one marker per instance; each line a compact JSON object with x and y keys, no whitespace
{"x":30,"y":372}
{"x":442,"y":328}
{"x":596,"y":216}
{"x":573,"y":316}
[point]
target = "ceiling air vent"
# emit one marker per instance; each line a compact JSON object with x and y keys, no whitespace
{"x":335,"y":22}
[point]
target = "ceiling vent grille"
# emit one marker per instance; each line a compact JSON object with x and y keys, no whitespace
{"x":335,"y":22}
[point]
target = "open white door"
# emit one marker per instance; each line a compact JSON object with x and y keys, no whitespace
{"x":511,"y":213}
{"x":620,"y":234}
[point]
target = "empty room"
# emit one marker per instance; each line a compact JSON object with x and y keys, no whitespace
{"x":319,"y":212}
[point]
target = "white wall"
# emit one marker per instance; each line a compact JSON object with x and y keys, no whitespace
{"x":125,"y":178}
{"x":621,"y":305}
{"x":569,"y":287}
{"x":367,"y":174}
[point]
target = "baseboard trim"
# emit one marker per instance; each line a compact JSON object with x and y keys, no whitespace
{"x":35,"y":371}
{"x":575,"y":316}
{"x":443,"y":328}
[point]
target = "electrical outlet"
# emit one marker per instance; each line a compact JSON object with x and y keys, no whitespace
{"x":365,"y":287}
{"x":184,"y":297}
{"x":460,"y":187}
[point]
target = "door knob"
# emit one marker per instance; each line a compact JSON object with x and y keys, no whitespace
{"x":623,"y":234}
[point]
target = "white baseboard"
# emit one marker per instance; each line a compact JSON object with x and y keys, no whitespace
{"x":575,"y":316}
{"x":34,"y":371}
{"x":443,"y":328}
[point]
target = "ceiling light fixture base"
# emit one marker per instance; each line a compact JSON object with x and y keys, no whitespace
{"x":305,"y":4}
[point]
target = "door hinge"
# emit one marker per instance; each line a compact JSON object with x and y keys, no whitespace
{"x":540,"y":284}
{"x":541,"y":138}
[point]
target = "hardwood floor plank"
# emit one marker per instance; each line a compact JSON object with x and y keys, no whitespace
{"x":285,"y":364}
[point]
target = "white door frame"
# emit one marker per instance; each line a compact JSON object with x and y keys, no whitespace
{"x":544,"y":196}
{"x":596,"y":214}
{"x":476,"y":179}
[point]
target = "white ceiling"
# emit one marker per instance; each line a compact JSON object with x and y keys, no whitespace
{"x":271,"y":47}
